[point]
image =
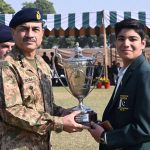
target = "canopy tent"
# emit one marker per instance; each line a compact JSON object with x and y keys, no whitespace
{"x":86,"y":23}
{"x":89,"y":23}
{"x":111,"y":17}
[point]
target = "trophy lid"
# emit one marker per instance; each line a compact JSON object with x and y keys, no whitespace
{"x":79,"y":56}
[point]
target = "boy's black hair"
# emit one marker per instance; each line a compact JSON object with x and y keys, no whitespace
{"x":134,"y":24}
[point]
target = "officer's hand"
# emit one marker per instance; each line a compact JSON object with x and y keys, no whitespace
{"x":69,"y":124}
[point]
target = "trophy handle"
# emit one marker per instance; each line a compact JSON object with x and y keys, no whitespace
{"x":56,"y":54}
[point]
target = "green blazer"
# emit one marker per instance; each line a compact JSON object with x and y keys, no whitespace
{"x":129,"y":111}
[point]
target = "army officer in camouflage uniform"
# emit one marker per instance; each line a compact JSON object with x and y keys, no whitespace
{"x":27,"y":110}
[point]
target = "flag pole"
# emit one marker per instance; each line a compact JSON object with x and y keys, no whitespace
{"x":105,"y":48}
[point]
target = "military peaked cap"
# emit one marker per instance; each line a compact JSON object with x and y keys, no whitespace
{"x":26,"y":15}
{"x":5,"y":34}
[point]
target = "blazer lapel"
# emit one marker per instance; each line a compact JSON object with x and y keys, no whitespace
{"x":126,"y":76}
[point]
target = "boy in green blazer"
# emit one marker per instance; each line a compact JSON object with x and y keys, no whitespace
{"x":128,"y":110}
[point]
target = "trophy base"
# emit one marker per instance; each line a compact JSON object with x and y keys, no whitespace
{"x":86,"y":116}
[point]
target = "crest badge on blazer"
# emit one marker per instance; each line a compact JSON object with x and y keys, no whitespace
{"x":123,"y":103}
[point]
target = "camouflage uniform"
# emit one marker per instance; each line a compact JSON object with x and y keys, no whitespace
{"x":26,"y":104}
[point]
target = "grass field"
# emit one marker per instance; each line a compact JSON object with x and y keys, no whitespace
{"x":96,"y":100}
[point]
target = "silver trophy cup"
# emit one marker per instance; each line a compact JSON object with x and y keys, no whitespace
{"x":79,"y":72}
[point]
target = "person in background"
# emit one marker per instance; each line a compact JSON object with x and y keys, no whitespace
{"x":128,"y":109}
{"x":114,"y":72}
{"x":98,"y":70}
{"x":28,"y":113}
{"x":51,"y":59}
{"x":46,"y":58}
{"x":6,"y":40}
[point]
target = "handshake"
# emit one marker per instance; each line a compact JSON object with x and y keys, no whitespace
{"x":75,"y":121}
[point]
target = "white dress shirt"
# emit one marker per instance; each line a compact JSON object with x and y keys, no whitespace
{"x":120,"y":76}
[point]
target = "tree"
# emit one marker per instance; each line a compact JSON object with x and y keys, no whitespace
{"x":6,"y":8}
{"x":44,"y":5}
{"x":70,"y":42}
{"x":28,"y":5}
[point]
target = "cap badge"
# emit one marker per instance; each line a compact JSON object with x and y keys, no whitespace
{"x":38,"y":15}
